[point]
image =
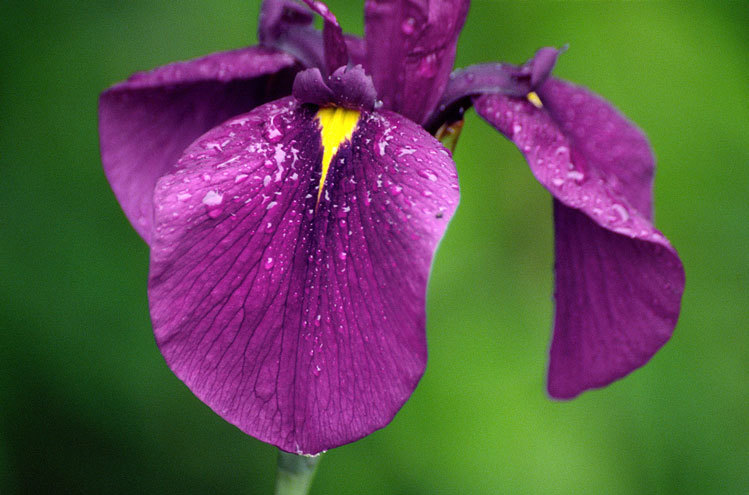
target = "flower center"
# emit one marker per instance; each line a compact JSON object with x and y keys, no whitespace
{"x":337,"y":125}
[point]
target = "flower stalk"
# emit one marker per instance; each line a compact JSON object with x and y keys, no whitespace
{"x":295,"y":473}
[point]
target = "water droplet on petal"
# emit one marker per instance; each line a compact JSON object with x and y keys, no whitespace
{"x":428,"y":174}
{"x":213,"y":198}
{"x":428,"y":66}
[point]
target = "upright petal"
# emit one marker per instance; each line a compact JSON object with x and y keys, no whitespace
{"x":146,"y":122}
{"x":290,"y":296}
{"x":618,"y":280}
{"x":336,"y":52}
{"x":411,"y":49}
{"x":288,"y":26}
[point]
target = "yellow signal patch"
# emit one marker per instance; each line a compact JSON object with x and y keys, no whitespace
{"x":336,"y":127}
{"x":534,"y":99}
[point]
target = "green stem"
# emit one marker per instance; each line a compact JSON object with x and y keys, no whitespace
{"x":295,"y":473}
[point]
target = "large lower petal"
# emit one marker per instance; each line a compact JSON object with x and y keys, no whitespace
{"x":411,"y":49}
{"x":146,"y":122}
{"x":618,"y":280}
{"x":297,"y":313}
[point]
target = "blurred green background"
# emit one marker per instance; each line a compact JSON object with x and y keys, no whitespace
{"x":87,"y":404}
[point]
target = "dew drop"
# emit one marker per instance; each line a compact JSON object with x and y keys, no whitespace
{"x":213,"y":198}
{"x":428,"y":66}
{"x":428,"y":174}
{"x":575,"y":175}
{"x":621,"y":211}
{"x":408,"y":26}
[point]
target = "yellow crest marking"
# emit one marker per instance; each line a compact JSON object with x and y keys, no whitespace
{"x":534,"y":99}
{"x":336,"y":127}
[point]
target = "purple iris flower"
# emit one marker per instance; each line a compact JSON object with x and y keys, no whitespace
{"x":293,"y":195}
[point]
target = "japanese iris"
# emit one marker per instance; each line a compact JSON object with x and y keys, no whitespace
{"x":293,"y":195}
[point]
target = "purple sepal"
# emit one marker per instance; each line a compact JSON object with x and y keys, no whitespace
{"x":506,"y":79}
{"x":146,"y":122}
{"x":302,"y":323}
{"x":410,"y":51}
{"x":347,"y":87}
{"x":618,"y":280}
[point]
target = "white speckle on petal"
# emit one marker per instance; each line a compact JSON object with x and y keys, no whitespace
{"x":621,"y":211}
{"x":213,"y":198}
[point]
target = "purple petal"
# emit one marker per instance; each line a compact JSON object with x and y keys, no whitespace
{"x":278,"y":16}
{"x":146,"y":122}
{"x":336,"y":53}
{"x":302,"y":324}
{"x":311,"y":87}
{"x":346,"y":87}
{"x":288,"y":27}
{"x":542,"y":64}
{"x":606,"y":138}
{"x":472,"y":81}
{"x":354,"y":87}
{"x":356,"y":49}
{"x":507,"y":79}
{"x":411,"y":49}
{"x":618,"y":280}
